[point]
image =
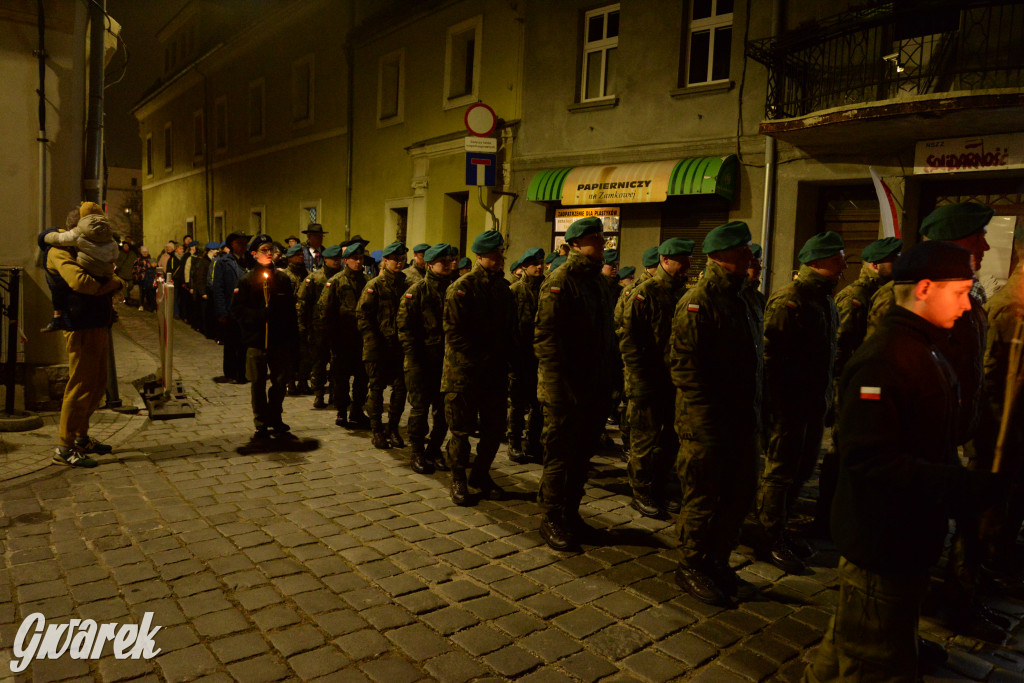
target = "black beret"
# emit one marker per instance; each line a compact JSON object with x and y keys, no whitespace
{"x":933,"y":260}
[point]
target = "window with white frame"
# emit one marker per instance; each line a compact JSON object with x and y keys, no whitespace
{"x":309,"y":212}
{"x":257,"y":109}
{"x":168,"y":149}
{"x":149,"y":155}
{"x":302,"y":90}
{"x":709,"y":41}
{"x":600,"y":53}
{"x":198,"y":136}
{"x":391,"y":88}
{"x":462,"y":62}
{"x":220,"y":123}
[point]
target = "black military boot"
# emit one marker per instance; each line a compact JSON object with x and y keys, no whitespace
{"x":420,"y":463}
{"x":318,"y":400}
{"x":515,"y":449}
{"x":340,"y":419}
{"x":357,"y":419}
{"x":293,"y":389}
{"x":700,"y":585}
{"x":556,"y":533}
{"x":302,"y":387}
{"x":645,"y":504}
{"x":394,"y":436}
{"x":436,"y":456}
{"x":380,"y":439}
{"x":460,"y":490}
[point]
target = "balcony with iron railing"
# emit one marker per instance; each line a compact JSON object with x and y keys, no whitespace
{"x":906,"y":55}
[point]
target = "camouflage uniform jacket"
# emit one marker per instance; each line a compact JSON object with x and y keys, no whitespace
{"x":853,"y":304}
{"x":624,"y":296}
{"x":296,"y":274}
{"x":421,"y":321}
{"x":479,"y":331}
{"x":308,"y":295}
{"x":336,"y":308}
{"x":525,"y":292}
{"x":1005,"y":309}
{"x":714,"y":360}
{"x":800,"y":344}
{"x":645,"y":332}
{"x":573,"y":338}
{"x":413,"y":274}
{"x":377,"y":312}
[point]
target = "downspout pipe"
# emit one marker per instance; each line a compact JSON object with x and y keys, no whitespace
{"x":92,"y":179}
{"x":770,"y":161}
{"x":350,"y":52}
{"x":41,"y":137}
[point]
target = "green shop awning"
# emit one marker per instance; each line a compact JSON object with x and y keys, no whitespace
{"x":636,"y":183}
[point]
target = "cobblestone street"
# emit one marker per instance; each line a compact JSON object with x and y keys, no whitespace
{"x":342,"y":564}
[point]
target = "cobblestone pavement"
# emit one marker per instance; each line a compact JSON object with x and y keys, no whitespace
{"x":342,"y":564}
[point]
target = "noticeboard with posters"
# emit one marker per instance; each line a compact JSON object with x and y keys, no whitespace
{"x":609,"y":216}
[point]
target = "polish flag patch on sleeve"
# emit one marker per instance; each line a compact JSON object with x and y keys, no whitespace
{"x":460,"y":292}
{"x":408,"y":296}
{"x":640,"y":297}
{"x":693,"y":308}
{"x":236,"y":290}
{"x":856,"y":303}
{"x":556,"y":290}
{"x":871,"y":393}
{"x":790,"y":304}
{"x":369,"y":290}
{"x":328,"y":284}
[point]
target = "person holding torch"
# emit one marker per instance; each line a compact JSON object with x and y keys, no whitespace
{"x":264,"y":307}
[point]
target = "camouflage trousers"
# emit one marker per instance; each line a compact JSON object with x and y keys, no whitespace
{"x":384,"y":372}
{"x":346,"y":368}
{"x":461,"y":409}
{"x":653,"y":446}
{"x":317,"y":355}
{"x":794,"y":444}
{"x":873,"y":635}
{"x":260,"y":366}
{"x":425,"y":401}
{"x":718,"y":483}
{"x":524,"y":412}
{"x":571,"y":437}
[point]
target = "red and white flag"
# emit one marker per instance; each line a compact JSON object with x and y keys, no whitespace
{"x":871,"y":393}
{"x":890,"y":214}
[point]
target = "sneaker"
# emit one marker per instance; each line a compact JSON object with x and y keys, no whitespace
{"x":54,"y":325}
{"x":87,"y":444}
{"x":72,"y":458}
{"x":280,"y":427}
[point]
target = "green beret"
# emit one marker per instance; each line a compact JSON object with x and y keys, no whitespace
{"x":823,"y":245}
{"x":650,"y":258}
{"x":879,"y":250}
{"x":755,"y":250}
{"x":258,"y":241}
{"x":464,"y":263}
{"x":582,"y":227}
{"x":559,"y":260}
{"x":395,"y":250}
{"x":551,"y":257}
{"x":611,"y":256}
{"x":486,"y":242}
{"x":676,"y":246}
{"x":439,"y":250}
{"x":530,"y":255}
{"x":333,"y":251}
{"x":515,"y":264}
{"x":933,"y":260}
{"x":293,"y":250}
{"x":726,"y":236}
{"x":353,"y":250}
{"x":626,"y":273}
{"x":956,"y":221}
{"x":420,"y":248}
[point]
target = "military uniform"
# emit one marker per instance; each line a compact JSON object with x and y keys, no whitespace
{"x":644,"y":342}
{"x":421,"y":331}
{"x":337,"y":324}
{"x":296,"y":274}
{"x":479,"y":345}
{"x":522,"y":380}
{"x":377,"y":312}
{"x":317,"y":350}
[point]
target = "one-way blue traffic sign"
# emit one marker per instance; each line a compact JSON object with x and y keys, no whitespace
{"x":480,"y":168}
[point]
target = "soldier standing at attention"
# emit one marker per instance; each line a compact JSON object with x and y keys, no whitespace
{"x":317,"y":351}
{"x":853,"y":304}
{"x":900,"y":479}
{"x":610,"y":271}
{"x":643,"y":340}
{"x":479,"y":345}
{"x":296,"y":272}
{"x":522,"y":380}
{"x":716,"y":369}
{"x":574,"y":343}
{"x":264,"y":306}
{"x":377,"y":313}
{"x":547,"y":261}
{"x":626,"y":277}
{"x":418,"y":269}
{"x":336,"y":313}
{"x":421,"y":331}
{"x":799,"y":354}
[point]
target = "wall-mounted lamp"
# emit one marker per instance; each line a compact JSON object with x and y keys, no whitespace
{"x":895,"y":59}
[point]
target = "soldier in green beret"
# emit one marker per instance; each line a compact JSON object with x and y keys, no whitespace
{"x":377,"y":313}
{"x":318,"y":352}
{"x":465,"y":265}
{"x":556,"y":262}
{"x":574,"y":343}
{"x":610,"y":273}
{"x":515,"y":271}
{"x":479,"y":345}
{"x":799,"y":355}
{"x":548,"y":260}
{"x":295,"y":271}
{"x":853,"y":304}
{"x":339,"y":326}
{"x":626,"y":276}
{"x":418,"y":268}
{"x":522,"y":379}
{"x":421,"y":331}
{"x":752,"y":293}
{"x":643,"y":340}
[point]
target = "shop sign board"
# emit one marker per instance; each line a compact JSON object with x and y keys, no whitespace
{"x":609,"y":216}
{"x":621,"y":184}
{"x":979,"y":153}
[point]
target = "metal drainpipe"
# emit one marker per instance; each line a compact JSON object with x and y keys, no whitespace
{"x":92,"y":181}
{"x":207,"y":177}
{"x":770,"y":155}
{"x":41,"y":138}
{"x":349,"y":117}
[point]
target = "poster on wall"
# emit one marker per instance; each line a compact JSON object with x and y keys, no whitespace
{"x":609,"y":216}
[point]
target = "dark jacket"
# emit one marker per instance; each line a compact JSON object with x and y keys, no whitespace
{"x":227,"y":271}
{"x":199,"y":277}
{"x":899,"y":475}
{"x":479,"y":332}
{"x":265,"y":326}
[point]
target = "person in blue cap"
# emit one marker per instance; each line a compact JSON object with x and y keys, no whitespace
{"x":421,"y":331}
{"x":524,"y":412}
{"x":377,"y":313}
{"x":227,"y":270}
{"x":575,"y":348}
{"x":416,"y":270}
{"x":479,"y":345}
{"x":337,"y":324}
{"x":800,"y":325}
{"x":264,"y":307}
{"x":313,"y":363}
